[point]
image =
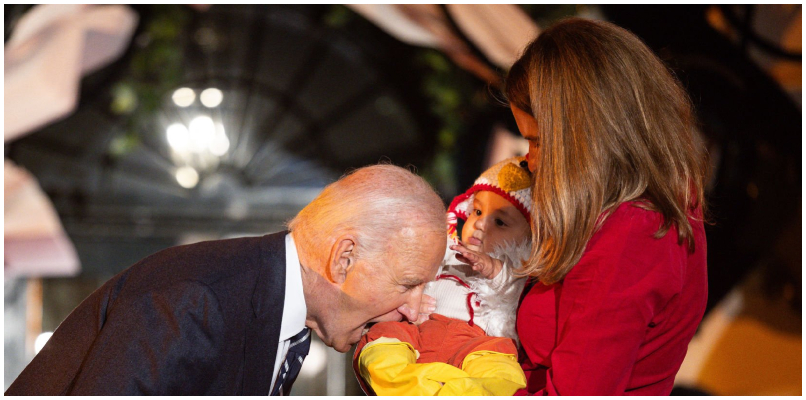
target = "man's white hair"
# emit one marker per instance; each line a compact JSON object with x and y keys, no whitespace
{"x":387,"y":208}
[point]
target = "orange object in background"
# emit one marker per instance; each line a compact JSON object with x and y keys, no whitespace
{"x":749,"y":345}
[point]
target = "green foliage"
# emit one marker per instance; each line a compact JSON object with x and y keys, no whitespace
{"x":155,"y":70}
{"x":124,"y":99}
{"x":452,"y":95}
{"x":547,"y":14}
{"x":338,"y":16}
{"x":122,"y":145}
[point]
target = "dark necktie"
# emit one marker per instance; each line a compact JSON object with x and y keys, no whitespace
{"x":297,"y":350}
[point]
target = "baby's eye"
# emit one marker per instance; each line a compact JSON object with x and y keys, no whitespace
{"x":477,"y":212}
{"x":499,"y":222}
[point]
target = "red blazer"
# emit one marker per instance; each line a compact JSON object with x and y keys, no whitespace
{"x":621,"y":319}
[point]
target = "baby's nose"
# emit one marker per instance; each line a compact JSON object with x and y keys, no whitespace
{"x":480,"y":223}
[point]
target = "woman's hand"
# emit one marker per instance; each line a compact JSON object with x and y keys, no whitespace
{"x":487,"y":266}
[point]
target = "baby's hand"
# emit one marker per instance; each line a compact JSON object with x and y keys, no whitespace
{"x":487,"y":266}
{"x":428,"y":305}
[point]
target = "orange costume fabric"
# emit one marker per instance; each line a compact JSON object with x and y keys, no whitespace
{"x":440,"y":339}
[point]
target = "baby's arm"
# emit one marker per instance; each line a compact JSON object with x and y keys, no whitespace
{"x":487,"y":266}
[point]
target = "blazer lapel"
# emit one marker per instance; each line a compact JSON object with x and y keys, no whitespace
{"x":263,"y":334}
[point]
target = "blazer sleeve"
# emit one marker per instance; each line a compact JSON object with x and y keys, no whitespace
{"x":607,"y":302}
{"x":159,"y":342}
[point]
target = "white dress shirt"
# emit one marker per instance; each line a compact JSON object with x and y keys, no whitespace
{"x":294,"y":308}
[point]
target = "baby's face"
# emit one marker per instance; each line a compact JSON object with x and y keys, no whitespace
{"x":492,"y":221}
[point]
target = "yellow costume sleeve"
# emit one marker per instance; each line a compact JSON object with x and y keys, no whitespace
{"x":390,"y":367}
{"x":489,"y":374}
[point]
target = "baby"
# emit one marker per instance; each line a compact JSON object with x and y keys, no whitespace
{"x":468,"y":345}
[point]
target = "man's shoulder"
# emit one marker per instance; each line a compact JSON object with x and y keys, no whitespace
{"x":242,"y":250}
{"x":211,"y":262}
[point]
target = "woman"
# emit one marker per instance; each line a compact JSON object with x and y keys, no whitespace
{"x":618,"y":261}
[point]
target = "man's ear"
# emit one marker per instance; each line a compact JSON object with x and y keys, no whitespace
{"x":342,"y":259}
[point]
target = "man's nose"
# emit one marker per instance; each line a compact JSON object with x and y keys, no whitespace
{"x":393,"y":316}
{"x":411,"y":309}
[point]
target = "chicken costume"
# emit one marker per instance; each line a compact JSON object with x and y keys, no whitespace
{"x":469,"y":344}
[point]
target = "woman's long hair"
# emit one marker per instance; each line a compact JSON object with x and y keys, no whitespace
{"x":614,"y":125}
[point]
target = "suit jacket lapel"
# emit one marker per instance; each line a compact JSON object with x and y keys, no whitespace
{"x":263,"y":335}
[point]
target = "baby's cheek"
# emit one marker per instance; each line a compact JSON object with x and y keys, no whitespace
{"x":467,"y":230}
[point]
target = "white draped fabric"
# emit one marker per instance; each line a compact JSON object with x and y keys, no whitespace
{"x":51,"y":48}
{"x":499,"y":31}
{"x":34,"y":242}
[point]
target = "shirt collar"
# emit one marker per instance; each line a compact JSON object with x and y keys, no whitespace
{"x":294,"y":308}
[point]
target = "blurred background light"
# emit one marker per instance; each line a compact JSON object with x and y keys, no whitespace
{"x":220,"y":143}
{"x":184,"y":97}
{"x":187,"y":177}
{"x":178,"y":137}
{"x":40,"y":341}
{"x":202,"y":132}
{"x":211,"y":97}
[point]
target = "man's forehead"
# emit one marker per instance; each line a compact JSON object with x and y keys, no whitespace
{"x":418,"y":271}
{"x":414,"y":257}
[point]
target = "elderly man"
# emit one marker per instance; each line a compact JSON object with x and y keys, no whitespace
{"x":233,"y":316}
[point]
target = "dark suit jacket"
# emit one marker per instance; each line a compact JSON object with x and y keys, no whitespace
{"x":197,"y":319}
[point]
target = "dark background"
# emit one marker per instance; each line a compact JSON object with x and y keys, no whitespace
{"x":313,"y":91}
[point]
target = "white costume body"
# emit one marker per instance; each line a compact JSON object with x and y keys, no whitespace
{"x":496,"y":301}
